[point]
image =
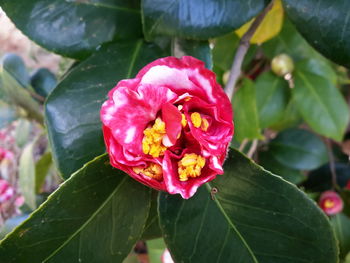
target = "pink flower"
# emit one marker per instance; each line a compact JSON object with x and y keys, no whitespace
{"x":5,"y":154}
{"x":331,"y":203}
{"x":166,"y":257}
{"x":169,"y":127}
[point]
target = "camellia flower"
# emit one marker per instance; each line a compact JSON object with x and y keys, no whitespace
{"x":331,"y":203}
{"x":169,"y":127}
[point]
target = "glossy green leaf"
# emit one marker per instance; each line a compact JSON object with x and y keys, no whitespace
{"x":197,"y":19}
{"x":290,"y":117}
{"x":270,"y":163}
{"x":245,"y":112}
{"x":152,"y":228}
{"x":320,"y":103}
{"x":299,"y":149}
{"x":95,"y":216}
{"x":72,"y":109}
{"x":324,"y":24}
{"x":341,"y":226}
{"x":254,"y":217}
{"x":43,"y":82}
{"x":14,"y":65}
{"x":194,"y":48}
{"x":26,"y":174}
{"x":272,"y":96}
{"x":75,"y":28}
{"x":42,"y":168}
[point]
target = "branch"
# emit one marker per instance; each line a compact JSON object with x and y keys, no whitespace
{"x":242,"y":49}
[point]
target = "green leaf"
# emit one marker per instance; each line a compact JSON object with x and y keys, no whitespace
{"x":155,"y":249}
{"x":43,"y":82}
{"x":320,"y":103}
{"x":75,"y":28}
{"x":196,"y":19}
{"x":269,"y":162}
{"x":272,"y":95}
{"x":254,"y":217}
{"x":26,"y":174}
{"x":324,"y":24}
{"x":42,"y":168}
{"x":22,"y":132}
{"x":299,"y":149}
{"x":245,"y":112}
{"x":95,"y":216}
{"x":194,"y":48}
{"x":290,"y":117}
{"x":18,"y":94}
{"x":7,"y":114}
{"x":72,"y":109}
{"x":341,"y":226}
{"x":152,"y":229}
{"x":14,"y":65}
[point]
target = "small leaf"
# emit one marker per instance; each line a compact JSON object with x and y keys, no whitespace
{"x":245,"y":112}
{"x":320,"y":103}
{"x":43,"y":82}
{"x":299,"y":149}
{"x":22,"y":132}
{"x":257,"y":217}
{"x":196,"y":19}
{"x":72,"y":109}
{"x":75,"y":28}
{"x":95,"y":216}
{"x":270,"y":26}
{"x":324,"y":24}
{"x":7,"y":114}
{"x":272,"y":95}
{"x":42,"y":168}
{"x":26,"y":172}
{"x":14,"y":65}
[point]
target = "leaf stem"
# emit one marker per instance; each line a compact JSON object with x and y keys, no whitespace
{"x":243,"y":47}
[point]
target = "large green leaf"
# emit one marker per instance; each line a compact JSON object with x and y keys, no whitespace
{"x":320,"y":103}
{"x":341,"y":225}
{"x":95,"y":216}
{"x":272,"y":95}
{"x":245,"y":112}
{"x":197,"y":19}
{"x":299,"y":149}
{"x":254,"y":217}
{"x":324,"y":24}
{"x":72,"y":109}
{"x":75,"y":28}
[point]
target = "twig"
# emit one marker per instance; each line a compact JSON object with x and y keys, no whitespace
{"x":242,"y":49}
{"x":243,"y":144}
{"x":331,"y":163}
{"x":253,"y":148}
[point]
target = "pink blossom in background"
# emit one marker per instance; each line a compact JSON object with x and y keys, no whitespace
{"x":169,"y":127}
{"x":166,"y":257}
{"x":331,"y":203}
{"x":5,"y":154}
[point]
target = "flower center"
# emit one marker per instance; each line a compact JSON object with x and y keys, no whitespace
{"x":152,"y":141}
{"x":328,"y":203}
{"x":190,"y":166}
{"x":153,"y":171}
{"x":198,"y":121}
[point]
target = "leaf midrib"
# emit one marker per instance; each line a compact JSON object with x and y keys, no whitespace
{"x":88,"y":221}
{"x":209,"y":187}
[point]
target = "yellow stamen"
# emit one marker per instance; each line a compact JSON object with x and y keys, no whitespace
{"x":196,"y":119}
{"x":205,"y":124}
{"x":153,"y":171}
{"x":152,"y":141}
{"x":190,"y":166}
{"x":183,"y":120}
{"x":329,"y":203}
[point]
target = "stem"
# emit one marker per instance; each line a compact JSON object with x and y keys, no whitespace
{"x":253,"y":148}
{"x":242,"y":49}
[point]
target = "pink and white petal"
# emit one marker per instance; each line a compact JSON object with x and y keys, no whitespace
{"x":172,"y":118}
{"x":132,"y":111}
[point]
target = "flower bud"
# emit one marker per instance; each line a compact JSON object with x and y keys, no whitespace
{"x":282,"y":65}
{"x":330,"y":202}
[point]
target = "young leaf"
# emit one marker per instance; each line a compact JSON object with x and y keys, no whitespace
{"x":299,"y":149}
{"x":72,"y":109}
{"x":43,"y":82}
{"x":196,"y":19}
{"x":320,"y":103}
{"x":42,"y":168}
{"x":75,"y":28}
{"x":245,"y":112}
{"x":258,"y":217}
{"x":95,"y":216}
